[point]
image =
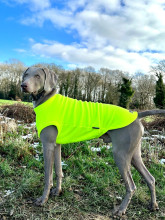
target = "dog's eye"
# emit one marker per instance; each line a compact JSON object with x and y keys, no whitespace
{"x":37,"y":76}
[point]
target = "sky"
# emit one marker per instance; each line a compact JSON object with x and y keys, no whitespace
{"x":117,"y":34}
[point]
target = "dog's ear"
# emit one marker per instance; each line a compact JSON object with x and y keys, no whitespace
{"x":25,"y":72}
{"x":50,"y":80}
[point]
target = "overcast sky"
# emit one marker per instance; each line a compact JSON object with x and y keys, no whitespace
{"x":128,"y":35}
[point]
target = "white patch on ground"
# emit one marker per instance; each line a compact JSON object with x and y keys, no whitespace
{"x":8,"y":192}
{"x":63,"y":164}
{"x":148,"y":138}
{"x":159,"y":136}
{"x":162,"y":161}
{"x":28,"y":136}
{"x":98,"y":149}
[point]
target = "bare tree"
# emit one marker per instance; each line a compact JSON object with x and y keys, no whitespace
{"x":10,"y":76}
{"x":159,"y":68}
{"x":144,"y":86}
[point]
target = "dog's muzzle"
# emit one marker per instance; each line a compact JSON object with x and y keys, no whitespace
{"x":24,"y":87}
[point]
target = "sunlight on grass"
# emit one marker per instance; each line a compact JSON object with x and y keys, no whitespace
{"x":5,"y":102}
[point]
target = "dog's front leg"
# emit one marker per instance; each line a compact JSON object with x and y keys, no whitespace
{"x":58,"y":170}
{"x":48,"y":151}
{"x":48,"y":138}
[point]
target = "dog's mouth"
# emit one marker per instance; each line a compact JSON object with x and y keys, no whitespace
{"x":24,"y":90}
{"x":34,"y":93}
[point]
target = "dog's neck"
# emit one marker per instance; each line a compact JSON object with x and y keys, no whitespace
{"x":41,"y":97}
{"x":38,"y":96}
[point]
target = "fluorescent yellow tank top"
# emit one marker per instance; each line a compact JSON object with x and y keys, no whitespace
{"x":78,"y":121}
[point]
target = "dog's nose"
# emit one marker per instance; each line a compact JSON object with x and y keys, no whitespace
{"x":24,"y":87}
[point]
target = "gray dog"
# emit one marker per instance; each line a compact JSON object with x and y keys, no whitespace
{"x":126,"y":141}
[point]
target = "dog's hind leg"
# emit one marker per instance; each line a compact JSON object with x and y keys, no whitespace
{"x":123,"y":163}
{"x":150,"y":180}
{"x":124,"y":142}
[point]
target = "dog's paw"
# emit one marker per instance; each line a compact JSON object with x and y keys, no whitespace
{"x":40,"y":201}
{"x":117,"y":212}
{"x":55,"y":192}
{"x":154,"y":206}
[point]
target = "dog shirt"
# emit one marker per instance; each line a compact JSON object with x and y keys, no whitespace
{"x":78,"y":120}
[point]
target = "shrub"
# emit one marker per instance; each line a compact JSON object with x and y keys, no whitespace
{"x":19,"y":111}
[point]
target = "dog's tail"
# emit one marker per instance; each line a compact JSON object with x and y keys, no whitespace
{"x":150,"y":112}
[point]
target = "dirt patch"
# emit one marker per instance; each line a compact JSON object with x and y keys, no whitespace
{"x":19,"y":111}
{"x":158,"y":123}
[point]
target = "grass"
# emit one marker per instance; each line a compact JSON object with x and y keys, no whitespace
{"x":6,"y":102}
{"x":91,"y":185}
{"x":3,"y":101}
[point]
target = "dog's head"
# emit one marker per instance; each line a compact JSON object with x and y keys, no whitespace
{"x":35,"y":80}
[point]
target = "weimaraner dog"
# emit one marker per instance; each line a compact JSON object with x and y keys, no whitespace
{"x":126,"y":141}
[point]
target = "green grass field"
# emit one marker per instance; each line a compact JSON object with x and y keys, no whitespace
{"x":4,"y":102}
{"x":11,"y":102}
{"x":91,"y":185}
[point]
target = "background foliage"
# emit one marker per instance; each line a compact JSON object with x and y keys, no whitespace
{"x":105,"y":85}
